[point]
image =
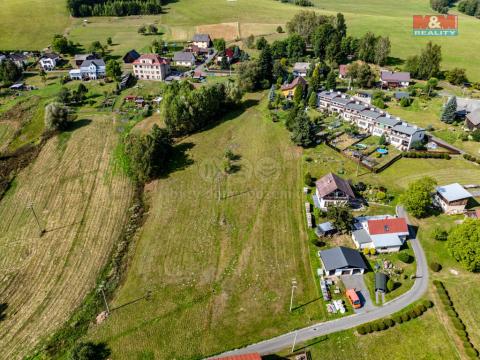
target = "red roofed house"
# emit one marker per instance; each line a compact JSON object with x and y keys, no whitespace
{"x":151,"y":67}
{"x":387,"y":234}
{"x":394,"y":79}
{"x":252,"y":356}
{"x":331,"y":190}
{"x":289,"y":89}
{"x":342,"y":71}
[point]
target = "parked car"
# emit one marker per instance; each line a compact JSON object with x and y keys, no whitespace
{"x":353,"y":298}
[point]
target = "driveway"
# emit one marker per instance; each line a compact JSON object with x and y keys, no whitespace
{"x":357,"y":282}
{"x":284,"y":341}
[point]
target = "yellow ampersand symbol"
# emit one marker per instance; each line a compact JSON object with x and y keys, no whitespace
{"x":434,"y":23}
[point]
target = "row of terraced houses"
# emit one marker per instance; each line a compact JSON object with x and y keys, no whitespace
{"x":371,"y":120}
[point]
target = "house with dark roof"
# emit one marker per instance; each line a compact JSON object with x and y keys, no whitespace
{"x":341,"y":260}
{"x":80,"y":58}
{"x":384,"y":233}
{"x":452,"y":198}
{"x":289,"y":89}
{"x":202,"y":41}
{"x":182,"y":58}
{"x":131,"y":56}
{"x":394,"y":79}
{"x":472,"y":120}
{"x":381,"y":282}
{"x":332,"y":190}
{"x":48,"y":61}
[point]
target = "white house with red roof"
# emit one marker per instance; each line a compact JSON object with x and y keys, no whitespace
{"x":384,"y":233}
{"x":151,"y":67}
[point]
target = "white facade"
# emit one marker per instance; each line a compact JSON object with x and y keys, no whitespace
{"x":151,"y":67}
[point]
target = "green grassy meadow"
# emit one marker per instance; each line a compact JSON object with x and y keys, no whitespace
{"x":30,"y":24}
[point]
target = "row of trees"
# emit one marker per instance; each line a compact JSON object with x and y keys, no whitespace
{"x":9,"y":72}
{"x":427,"y":64}
{"x":441,"y":6}
{"x":186,"y":109}
{"x":470,"y":7}
{"x":83,"y":8}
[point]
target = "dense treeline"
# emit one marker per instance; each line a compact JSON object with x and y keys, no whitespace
{"x":470,"y":7}
{"x":441,"y":6}
{"x":186,"y":109}
{"x":83,"y":8}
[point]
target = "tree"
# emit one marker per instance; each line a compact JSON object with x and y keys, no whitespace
{"x":250,"y":75}
{"x":250,"y":41}
{"x":307,"y":179}
{"x":265,"y":61}
{"x":261,"y":43}
{"x":464,"y":244}
{"x":279,"y":49}
{"x":382,"y":140}
{"x":113,"y":70}
{"x":456,"y":76}
{"x":362,"y":75}
{"x":302,"y":132}
{"x":341,"y":25}
{"x":61,"y":44}
{"x":296,"y":46}
{"x":331,"y":82}
{"x":63,"y":96}
{"x":298,"y":94}
{"x":367,"y":46}
{"x":341,"y":217}
{"x":440,"y":6}
{"x":9,"y":72}
{"x":418,"y":197}
{"x":382,"y":50}
{"x":96,"y":47}
{"x":304,"y":24}
{"x":316,"y":79}
{"x":312,"y":99}
{"x":430,"y":86}
{"x":80,"y":93}
{"x":390,"y":285}
{"x":152,"y":29}
{"x":279,"y":71}
{"x":404,"y":257}
{"x":322,"y":37}
{"x":429,"y":61}
{"x":219,"y":44}
{"x":89,"y":351}
{"x":142,"y":30}
{"x":109,"y":41}
{"x":156,"y":47}
{"x":449,"y":111}
{"x":279,"y":29}
{"x":412,"y":65}
{"x":56,"y":116}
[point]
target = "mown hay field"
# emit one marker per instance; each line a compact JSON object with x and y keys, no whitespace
{"x":218,"y":256}
{"x":82,"y":202}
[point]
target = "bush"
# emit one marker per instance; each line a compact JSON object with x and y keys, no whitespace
{"x":405,"y":317}
{"x":428,"y":304}
{"x":307,"y":178}
{"x":446,"y":301}
{"x":412,"y":314}
{"x":375,"y":327}
{"x":390,"y":322}
{"x":462,"y":334}
{"x":417,"y":311}
{"x":436,"y":267}
{"x":382,"y":325}
{"x":452,"y":313}
{"x":397,"y":318}
{"x":368,"y":328}
{"x":471,"y":352}
{"x":422,"y":308}
{"x":440,"y":235}
{"x":438,"y":284}
{"x":390,"y":285}
{"x":457,"y":324}
{"x":361,"y":330}
{"x":404,"y":257}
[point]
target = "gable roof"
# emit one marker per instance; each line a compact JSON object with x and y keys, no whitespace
{"x":132,"y":54}
{"x":453,"y":192}
{"x":342,"y":257}
{"x":391,"y":76}
{"x":301,"y":66}
{"x":83,"y":57}
{"x":297,"y":81}
{"x":356,"y":106}
{"x":331,"y":182}
{"x":50,"y":56}
{"x":96,"y":62}
{"x":183,"y":56}
{"x":407,"y":129}
{"x":156,"y":59}
{"x":474,"y":117}
{"x":252,"y":356}
{"x":373,"y":114}
{"x":328,"y":94}
{"x":387,"y":226}
{"x":201,"y":38}
{"x":388,"y":121}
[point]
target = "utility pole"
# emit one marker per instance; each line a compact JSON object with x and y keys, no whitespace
{"x":294,"y":286}
{"x":31,"y":207}
{"x":101,"y":289}
{"x":294,"y":341}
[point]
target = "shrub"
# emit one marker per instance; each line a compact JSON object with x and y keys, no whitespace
{"x":405,"y":317}
{"x":397,"y":318}
{"x":471,"y":352}
{"x":417,"y":311}
{"x":462,"y":334}
{"x":438,"y":284}
{"x":307,"y":178}
{"x":428,"y":304}
{"x":375,"y":327}
{"x":390,"y":322}
{"x":390,"y":285}
{"x":361,"y":330}
{"x":446,"y":301}
{"x":436,"y":267}
{"x":368,"y":328}
{"x":457,"y":324}
{"x":451,"y":313}
{"x":381,"y":325}
{"x":422,"y":308}
{"x":372,"y":251}
{"x":404,"y":257}
{"x":440,"y":235}
{"x":412,"y":314}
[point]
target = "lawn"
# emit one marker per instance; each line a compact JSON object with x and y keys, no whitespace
{"x":218,"y":254}
{"x":82,"y":202}
{"x":421,"y":338}
{"x":31,"y":24}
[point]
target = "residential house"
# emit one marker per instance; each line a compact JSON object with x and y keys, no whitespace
{"x":472,"y":120}
{"x":228,"y":53}
{"x":343,"y":71}
{"x":474,"y":214}
{"x":131,"y":56}
{"x":89,"y":70}
{"x":383,"y":233}
{"x":289,"y":89}
{"x":325,"y":99}
{"x":403,"y":136}
{"x":249,"y":356}
{"x":151,"y":67}
{"x":332,"y":190}
{"x":301,"y":69}
{"x":452,"y":198}
{"x":394,"y":79}
{"x":80,"y":58}
{"x":203,"y":41}
{"x":384,"y":124}
{"x":363,"y":97}
{"x":352,"y":110}
{"x":340,"y":261}
{"x":49,"y":61}
{"x":466,"y":106}
{"x":182,"y":58}
{"x":18,"y":59}
{"x":399,"y":95}
{"x":366,"y":119}
{"x":2,"y":58}
{"x":338,"y":103}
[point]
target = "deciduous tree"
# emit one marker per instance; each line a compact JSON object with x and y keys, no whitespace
{"x":464,"y":244}
{"x":417,"y":199}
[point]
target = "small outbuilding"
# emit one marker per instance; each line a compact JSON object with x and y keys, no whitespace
{"x":342,"y":261}
{"x":452,"y":198}
{"x":131,"y":56}
{"x":381,"y":282}
{"x":325,"y":229}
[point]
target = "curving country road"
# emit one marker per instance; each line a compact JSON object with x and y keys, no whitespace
{"x":416,"y":292}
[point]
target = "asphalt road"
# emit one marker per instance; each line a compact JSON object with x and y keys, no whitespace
{"x":286,"y":340}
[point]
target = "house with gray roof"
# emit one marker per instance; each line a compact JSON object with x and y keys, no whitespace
{"x":394,"y":79}
{"x":89,"y":70}
{"x":301,"y":68}
{"x":182,"y":58}
{"x":452,"y":198}
{"x":472,"y":120}
{"x":325,"y":99}
{"x":403,"y":135}
{"x":341,"y":260}
{"x":352,"y":109}
{"x":202,"y":41}
{"x":384,"y":123}
{"x":366,"y":119}
{"x":338,"y":103}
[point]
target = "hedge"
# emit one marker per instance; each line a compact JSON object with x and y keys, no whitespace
{"x":436,"y":267}
{"x":426,"y":155}
{"x":458,"y":324}
{"x":428,"y":304}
